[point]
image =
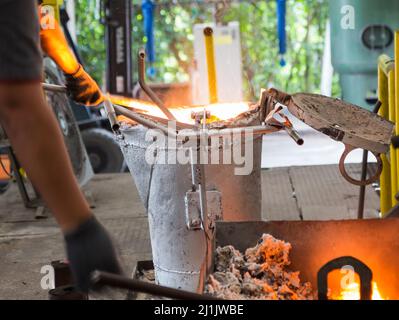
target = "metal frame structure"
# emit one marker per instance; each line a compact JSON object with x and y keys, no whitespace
{"x":388,"y":88}
{"x":118,"y":35}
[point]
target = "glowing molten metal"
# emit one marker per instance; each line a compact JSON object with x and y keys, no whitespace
{"x":219,"y":111}
{"x":352,"y":292}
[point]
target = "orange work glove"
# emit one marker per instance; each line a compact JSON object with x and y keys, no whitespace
{"x":83,"y":89}
{"x":55,"y":45}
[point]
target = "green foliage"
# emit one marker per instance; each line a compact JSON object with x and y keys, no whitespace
{"x":306,"y":21}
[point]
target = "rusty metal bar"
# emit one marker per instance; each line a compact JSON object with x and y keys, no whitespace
{"x":255,"y":130}
{"x":128,"y":112}
{"x":114,"y":280}
{"x":362,"y":192}
{"x":142,"y":120}
{"x":147,"y":89}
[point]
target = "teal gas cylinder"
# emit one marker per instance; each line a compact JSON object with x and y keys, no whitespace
{"x":361,"y":30}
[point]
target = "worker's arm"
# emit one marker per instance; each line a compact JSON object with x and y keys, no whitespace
{"x":80,"y":84}
{"x":38,"y":143}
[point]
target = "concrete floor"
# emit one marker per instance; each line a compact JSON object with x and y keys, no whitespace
{"x":27,"y":244}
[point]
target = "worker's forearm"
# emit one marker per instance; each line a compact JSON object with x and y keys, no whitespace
{"x":55,"y":45}
{"x":38,"y":144}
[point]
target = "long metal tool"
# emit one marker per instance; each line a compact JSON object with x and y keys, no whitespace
{"x":100,"y":279}
{"x":53,"y":87}
{"x":132,"y":113}
{"x":362,"y":191}
{"x":353,"y":126}
{"x":286,"y":124}
{"x":147,"y":89}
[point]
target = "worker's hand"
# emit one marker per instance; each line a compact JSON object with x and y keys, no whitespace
{"x":83,"y":88}
{"x":90,"y":248}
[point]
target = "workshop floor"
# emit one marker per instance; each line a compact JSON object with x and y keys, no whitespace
{"x":27,"y":244}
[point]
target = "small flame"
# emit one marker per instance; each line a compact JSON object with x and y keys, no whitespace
{"x":219,"y":111}
{"x":352,"y":292}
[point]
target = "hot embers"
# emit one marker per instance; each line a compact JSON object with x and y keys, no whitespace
{"x":262,"y":273}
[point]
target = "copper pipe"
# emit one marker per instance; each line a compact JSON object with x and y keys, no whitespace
{"x":147,"y":89}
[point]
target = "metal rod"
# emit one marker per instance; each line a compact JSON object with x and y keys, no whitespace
{"x":229,"y":131}
{"x":179,"y":125}
{"x":54,"y":87}
{"x":114,"y":280}
{"x":141,"y":120}
{"x":294,"y":135}
{"x":147,"y":89}
{"x":362,"y":191}
{"x":210,"y":60}
{"x":109,"y":109}
{"x":188,"y":132}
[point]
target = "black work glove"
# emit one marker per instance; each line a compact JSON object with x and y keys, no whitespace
{"x":90,"y":248}
{"x":83,"y":89}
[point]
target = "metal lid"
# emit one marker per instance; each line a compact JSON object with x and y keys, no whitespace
{"x":343,"y":121}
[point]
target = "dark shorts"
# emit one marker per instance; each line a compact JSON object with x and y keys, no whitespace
{"x":20,"y":54}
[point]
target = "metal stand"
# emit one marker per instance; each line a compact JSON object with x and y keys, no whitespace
{"x":28,"y":202}
{"x":362,"y":193}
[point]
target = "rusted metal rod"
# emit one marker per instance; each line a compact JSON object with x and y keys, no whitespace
{"x":117,"y":281}
{"x":255,"y":130}
{"x":123,"y":110}
{"x":362,"y":191}
{"x":142,"y":120}
{"x":147,"y":89}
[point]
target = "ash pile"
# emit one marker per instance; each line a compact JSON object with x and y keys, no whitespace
{"x":261,"y":273}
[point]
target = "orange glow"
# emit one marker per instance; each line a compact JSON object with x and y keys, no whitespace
{"x":219,"y":111}
{"x":352,"y":292}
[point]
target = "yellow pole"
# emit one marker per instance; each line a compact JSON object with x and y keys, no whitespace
{"x":396,"y":120}
{"x":210,"y":60}
{"x":392,"y":152}
{"x":385,"y":178}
